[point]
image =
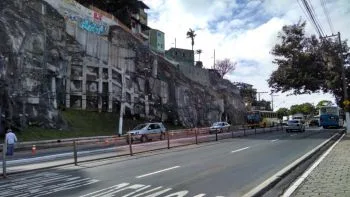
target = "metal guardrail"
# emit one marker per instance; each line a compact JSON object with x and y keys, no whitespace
{"x":94,"y":148}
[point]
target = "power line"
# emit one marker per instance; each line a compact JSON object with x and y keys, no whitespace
{"x":327,"y":15}
{"x":307,"y":16}
{"x":309,"y":8}
{"x":315,"y":16}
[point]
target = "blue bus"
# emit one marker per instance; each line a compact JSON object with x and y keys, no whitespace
{"x":331,"y":117}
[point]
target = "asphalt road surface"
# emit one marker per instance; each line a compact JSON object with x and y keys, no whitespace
{"x":228,"y":167}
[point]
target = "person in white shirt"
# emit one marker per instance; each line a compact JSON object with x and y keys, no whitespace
{"x":11,"y":139}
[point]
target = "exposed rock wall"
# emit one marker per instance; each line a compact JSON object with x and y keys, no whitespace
{"x":49,"y":60}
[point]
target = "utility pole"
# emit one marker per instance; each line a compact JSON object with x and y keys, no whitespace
{"x":214,"y":60}
{"x":345,"y":86}
{"x":272,"y":95}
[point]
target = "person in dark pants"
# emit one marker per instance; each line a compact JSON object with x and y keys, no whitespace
{"x":10,"y":140}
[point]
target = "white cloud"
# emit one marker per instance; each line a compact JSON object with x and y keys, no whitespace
{"x":241,"y":32}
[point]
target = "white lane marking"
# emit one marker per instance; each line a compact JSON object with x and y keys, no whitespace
{"x":106,"y":189}
{"x":293,"y":135}
{"x":234,"y":151}
{"x":156,"y":172}
{"x":132,"y":193}
{"x":276,"y":176}
{"x":43,"y":184}
{"x":297,"y":183}
{"x":149,"y":191}
{"x":178,"y":194}
{"x":274,"y":140}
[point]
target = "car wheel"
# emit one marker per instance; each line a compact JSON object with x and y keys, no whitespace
{"x":143,"y":138}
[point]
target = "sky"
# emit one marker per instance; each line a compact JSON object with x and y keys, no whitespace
{"x":245,"y":32}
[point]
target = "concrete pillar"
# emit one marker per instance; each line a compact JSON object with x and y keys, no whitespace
{"x":146,"y":106}
{"x":155,"y":67}
{"x":53,"y":90}
{"x":68,"y":84}
{"x":100,"y":77}
{"x":110,"y":89}
{"x":83,"y":96}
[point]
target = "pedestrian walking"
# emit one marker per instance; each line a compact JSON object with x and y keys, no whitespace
{"x":10,"y":140}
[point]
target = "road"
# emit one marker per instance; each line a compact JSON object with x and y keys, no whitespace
{"x":112,"y":147}
{"x":229,"y":167}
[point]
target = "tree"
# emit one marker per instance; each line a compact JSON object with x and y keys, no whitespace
{"x":224,"y":66}
{"x":305,"y":108}
{"x":307,"y":64}
{"x":199,"y":51}
{"x":191,"y":34}
{"x":323,"y":103}
{"x":282,"y":112}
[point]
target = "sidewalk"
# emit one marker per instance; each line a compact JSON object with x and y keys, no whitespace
{"x":332,"y":176}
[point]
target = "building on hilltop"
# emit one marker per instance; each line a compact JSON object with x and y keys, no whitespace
{"x":139,"y":21}
{"x":129,"y":14}
{"x":182,"y":56}
{"x":156,"y":41}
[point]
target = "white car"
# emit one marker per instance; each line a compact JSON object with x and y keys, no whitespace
{"x":147,"y":131}
{"x":219,"y":127}
{"x":295,"y":125}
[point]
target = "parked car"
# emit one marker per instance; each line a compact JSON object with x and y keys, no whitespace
{"x":295,"y":125}
{"x":146,"y":132}
{"x":219,"y":127}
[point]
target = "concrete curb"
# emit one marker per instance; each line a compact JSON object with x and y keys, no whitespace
{"x":291,"y":189}
{"x":264,"y":186}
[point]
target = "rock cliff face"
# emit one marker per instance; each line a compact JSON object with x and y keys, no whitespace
{"x":53,"y":54}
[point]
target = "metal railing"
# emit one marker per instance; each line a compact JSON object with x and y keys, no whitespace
{"x":74,"y":151}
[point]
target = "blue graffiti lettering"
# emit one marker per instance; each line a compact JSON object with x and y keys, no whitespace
{"x":93,"y":27}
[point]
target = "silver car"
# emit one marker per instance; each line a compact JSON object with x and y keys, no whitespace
{"x":219,"y":127}
{"x":295,"y":125}
{"x":147,"y":131}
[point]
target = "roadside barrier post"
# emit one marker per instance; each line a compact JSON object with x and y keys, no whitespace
{"x":196,"y":133}
{"x":33,"y":150}
{"x":130,"y":144}
{"x":75,"y":154}
{"x":168,"y":138}
{"x":243,"y":130}
{"x":255,"y":130}
{"x":4,"y":150}
{"x":232,"y":132}
{"x":216,"y":135}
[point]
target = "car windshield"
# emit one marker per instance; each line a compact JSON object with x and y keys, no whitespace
{"x":293,"y":121}
{"x":140,"y":126}
{"x":218,"y":124}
